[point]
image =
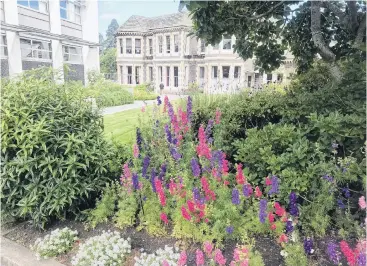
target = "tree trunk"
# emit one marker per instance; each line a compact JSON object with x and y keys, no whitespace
{"x":319,"y":41}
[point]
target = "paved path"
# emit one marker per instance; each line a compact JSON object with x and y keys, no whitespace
{"x":135,"y":105}
{"x":13,"y":254}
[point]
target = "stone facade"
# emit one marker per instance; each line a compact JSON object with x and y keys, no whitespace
{"x":159,"y":50}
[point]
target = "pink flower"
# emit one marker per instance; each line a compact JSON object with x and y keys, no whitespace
{"x":182,"y":260}
{"x":348,"y":253}
{"x":136,"y":150}
{"x":273,"y":227}
{"x":199,"y":257}
{"x":362,"y":203}
{"x":240,"y":178}
{"x":218,"y":114}
{"x":208,"y":247}
{"x":164,"y":218}
{"x":283,"y":238}
{"x":165,"y":263}
{"x":267,"y":181}
{"x":271,"y":217}
{"x":191,"y":206}
{"x":219,"y":258}
{"x":258,"y":192}
{"x":143,"y":109}
{"x":185,"y":214}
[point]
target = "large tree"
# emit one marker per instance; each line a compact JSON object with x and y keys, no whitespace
{"x":110,"y":35}
{"x":108,"y":61}
{"x":265,"y":29}
{"x":101,"y":40}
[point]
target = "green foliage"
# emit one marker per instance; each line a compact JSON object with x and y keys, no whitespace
{"x":295,"y":255}
{"x":108,"y":61}
{"x":144,"y":92}
{"x":127,"y":209}
{"x":255,"y":259}
{"x":54,"y":157}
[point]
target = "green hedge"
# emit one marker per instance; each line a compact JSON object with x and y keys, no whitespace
{"x":144,"y":92}
{"x":54,"y":158}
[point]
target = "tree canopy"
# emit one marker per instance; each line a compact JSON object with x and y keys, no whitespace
{"x":110,"y":34}
{"x":108,"y":61}
{"x":266,"y":29}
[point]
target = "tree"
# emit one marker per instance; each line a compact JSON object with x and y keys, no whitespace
{"x":108,"y":61}
{"x":110,"y":34}
{"x":101,"y":40}
{"x":265,"y":29}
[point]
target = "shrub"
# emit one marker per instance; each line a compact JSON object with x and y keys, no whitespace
{"x":106,"y":249}
{"x":144,"y":92}
{"x":168,"y":254}
{"x":54,"y":157}
{"x":55,"y":243}
{"x":295,"y":255}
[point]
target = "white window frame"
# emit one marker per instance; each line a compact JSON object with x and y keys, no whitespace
{"x":3,"y":46}
{"x":160,"y":44}
{"x":201,"y":71}
{"x":150,"y":44}
{"x":238,"y":73}
{"x":80,"y":56}
{"x":168,"y":44}
{"x":160,"y":74}
{"x":176,"y":43}
{"x":175,"y":78}
{"x":229,"y":71}
{"x":150,"y":73}
{"x":121,"y":42}
{"x":40,"y":2}
{"x":137,"y":75}
{"x":168,"y":77}
{"x":70,"y":9}
{"x":36,"y":51}
{"x":216,"y":72}
{"x":129,"y":76}
{"x":202,"y":46}
{"x":129,"y":50}
{"x":135,"y":50}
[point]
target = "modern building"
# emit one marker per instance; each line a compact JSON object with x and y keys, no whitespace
{"x":158,"y":50}
{"x":38,"y":33}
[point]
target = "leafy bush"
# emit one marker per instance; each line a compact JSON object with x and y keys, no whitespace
{"x":54,"y":157}
{"x":106,"y":249}
{"x":108,"y":93}
{"x":295,"y":255}
{"x":144,"y":92}
{"x":55,"y":243}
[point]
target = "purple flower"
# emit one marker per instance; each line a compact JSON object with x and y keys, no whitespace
{"x":146,"y":162}
{"x":195,"y":167}
{"x":139,"y":138}
{"x":361,"y":259}
{"x":208,"y":129}
{"x":293,"y":208}
{"x":340,"y":204}
{"x":189,"y":108}
{"x":152,"y":179}
{"x":175,"y":154}
{"x":289,"y":227}
{"x":229,"y":229}
{"x":171,"y":112}
{"x":168,"y":133}
{"x":274,"y":185}
{"x":308,"y":246}
{"x":334,"y":254}
{"x":196,"y":194}
{"x":159,"y":101}
{"x":246,"y":190}
{"x":346,"y":192}
{"x":235,"y":197}
{"x":328,"y":178}
{"x":135,"y":179}
{"x":262,"y":210}
{"x":162,"y":174}
{"x":216,"y":160}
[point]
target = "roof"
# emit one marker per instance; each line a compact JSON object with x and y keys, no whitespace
{"x":144,"y":24}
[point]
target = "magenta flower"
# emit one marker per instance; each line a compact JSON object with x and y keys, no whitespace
{"x":219,"y":258}
{"x":199,"y":257}
{"x":183,"y":259}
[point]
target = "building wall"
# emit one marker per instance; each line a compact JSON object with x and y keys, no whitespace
{"x":4,"y":68}
{"x":48,"y":26}
{"x":76,"y":72}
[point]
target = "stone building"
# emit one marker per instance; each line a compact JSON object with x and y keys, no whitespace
{"x":158,"y":50}
{"x":38,"y":33}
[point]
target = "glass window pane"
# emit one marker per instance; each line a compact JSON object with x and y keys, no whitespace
{"x":34,"y":4}
{"x":66,"y":57}
{"x":23,"y":3}
{"x":24,"y":43}
{"x":63,"y":13}
{"x":63,"y":3}
{"x":72,"y":50}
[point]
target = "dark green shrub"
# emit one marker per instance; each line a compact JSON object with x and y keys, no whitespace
{"x":54,"y":157}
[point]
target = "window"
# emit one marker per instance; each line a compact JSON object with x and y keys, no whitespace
{"x":202,"y":72}
{"x":121,"y":46}
{"x":35,"y":49}
{"x":160,"y":43}
{"x":137,"y":46}
{"x":150,"y":73}
{"x":168,"y":44}
{"x":160,"y":74}
{"x":269,"y":78}
{"x":129,"y":46}
{"x":249,"y":79}
{"x":167,"y":76}
{"x":175,"y":75}
{"x":202,"y":46}
{"x":40,"y":5}
{"x":227,"y":42}
{"x":215,"y":72}
{"x":70,"y":10}
{"x":237,"y":71}
{"x":225,"y":72}
{"x":175,"y":40}
{"x":137,"y":75}
{"x":150,"y":46}
{"x":121,"y":74}
{"x":72,"y":54}
{"x":129,"y":75}
{"x":3,"y":46}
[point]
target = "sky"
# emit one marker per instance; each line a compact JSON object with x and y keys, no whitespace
{"x":121,"y":10}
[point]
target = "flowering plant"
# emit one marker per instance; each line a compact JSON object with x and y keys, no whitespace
{"x":106,"y":249}
{"x":55,"y":243}
{"x":168,"y":256}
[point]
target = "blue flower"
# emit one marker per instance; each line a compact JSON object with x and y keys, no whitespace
{"x":159,"y":101}
{"x":229,"y":229}
{"x":274,"y":185}
{"x":195,"y":167}
{"x":235,"y":197}
{"x":346,"y":192}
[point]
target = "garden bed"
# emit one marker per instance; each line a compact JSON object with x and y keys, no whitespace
{"x":26,"y":235}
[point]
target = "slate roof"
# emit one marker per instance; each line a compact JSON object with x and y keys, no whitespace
{"x":144,"y":24}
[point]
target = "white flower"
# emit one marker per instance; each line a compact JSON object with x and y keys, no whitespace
{"x":283,"y":253}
